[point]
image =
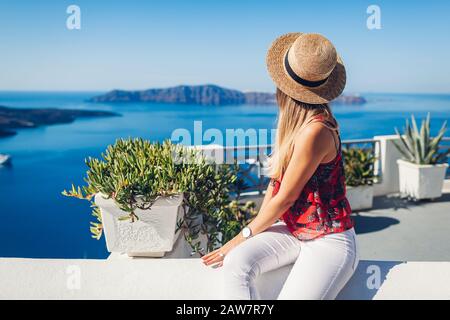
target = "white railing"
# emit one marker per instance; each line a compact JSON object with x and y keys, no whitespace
{"x":252,"y":161}
{"x":445,"y":146}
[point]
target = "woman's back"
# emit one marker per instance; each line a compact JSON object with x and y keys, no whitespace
{"x":322,"y":206}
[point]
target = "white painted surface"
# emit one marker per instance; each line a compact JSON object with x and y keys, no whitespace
{"x":446,"y":186}
{"x":421,"y":181}
{"x":214,"y":153}
{"x":142,"y":278}
{"x":360,"y":197}
{"x":388,"y":155}
{"x":152,"y":234}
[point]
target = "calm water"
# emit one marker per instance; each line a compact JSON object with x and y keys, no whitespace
{"x":37,"y":221}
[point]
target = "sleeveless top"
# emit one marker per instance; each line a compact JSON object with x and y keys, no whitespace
{"x":322,"y":206}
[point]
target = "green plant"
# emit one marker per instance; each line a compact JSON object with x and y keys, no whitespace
{"x":236,"y":215}
{"x":359,"y":166}
{"x":135,"y":172}
{"x":417,"y":146}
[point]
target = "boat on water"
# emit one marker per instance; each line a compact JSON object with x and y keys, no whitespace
{"x":4,"y":159}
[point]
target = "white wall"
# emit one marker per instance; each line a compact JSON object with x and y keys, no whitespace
{"x":190,"y":279}
{"x":388,"y":154}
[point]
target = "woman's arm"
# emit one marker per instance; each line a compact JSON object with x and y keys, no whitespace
{"x":267,"y":197}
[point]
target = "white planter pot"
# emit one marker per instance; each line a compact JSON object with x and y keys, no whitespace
{"x":421,"y":181}
{"x":152,"y":235}
{"x":360,"y":197}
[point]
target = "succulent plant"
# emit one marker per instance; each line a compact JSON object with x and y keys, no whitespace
{"x":358,"y":166}
{"x":135,"y":172}
{"x":417,"y":146}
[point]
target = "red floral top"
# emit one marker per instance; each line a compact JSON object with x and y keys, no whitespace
{"x":322,"y":206}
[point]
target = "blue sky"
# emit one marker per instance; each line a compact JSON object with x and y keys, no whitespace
{"x":142,"y":44}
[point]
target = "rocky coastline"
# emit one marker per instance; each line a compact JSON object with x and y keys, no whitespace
{"x":18,"y":118}
{"x":208,"y":95}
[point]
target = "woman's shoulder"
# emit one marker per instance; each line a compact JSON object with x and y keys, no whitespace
{"x":316,"y":137}
{"x":313,"y":131}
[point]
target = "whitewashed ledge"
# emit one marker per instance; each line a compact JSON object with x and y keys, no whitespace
{"x":124,"y":278}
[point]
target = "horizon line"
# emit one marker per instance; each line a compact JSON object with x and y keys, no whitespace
{"x":259,"y":91}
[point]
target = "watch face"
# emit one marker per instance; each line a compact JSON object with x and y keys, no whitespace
{"x":246,"y":232}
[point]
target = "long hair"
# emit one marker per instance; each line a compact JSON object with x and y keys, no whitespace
{"x":292,"y":116}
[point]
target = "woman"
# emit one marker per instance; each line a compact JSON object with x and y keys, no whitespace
{"x":307,"y":189}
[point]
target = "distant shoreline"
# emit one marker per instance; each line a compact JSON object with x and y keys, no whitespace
{"x":7,"y":133}
{"x":207,"y":95}
{"x":102,"y":91}
{"x":20,"y":118}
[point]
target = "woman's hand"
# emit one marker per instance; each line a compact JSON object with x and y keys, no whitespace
{"x":218,"y":255}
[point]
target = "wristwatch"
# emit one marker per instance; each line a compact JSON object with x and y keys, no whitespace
{"x":246,"y":232}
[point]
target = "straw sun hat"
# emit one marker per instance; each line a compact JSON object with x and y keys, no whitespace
{"x":306,"y":67}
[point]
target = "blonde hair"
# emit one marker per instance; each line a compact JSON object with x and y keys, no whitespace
{"x":292,"y":116}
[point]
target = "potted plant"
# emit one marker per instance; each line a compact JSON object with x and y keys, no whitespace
{"x":359,"y":176}
{"x":145,"y":194}
{"x":422,"y":168}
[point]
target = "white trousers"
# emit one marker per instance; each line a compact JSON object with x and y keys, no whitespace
{"x":321,"y":266}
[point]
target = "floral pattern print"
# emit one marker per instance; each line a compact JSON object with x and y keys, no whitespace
{"x":322,"y":206}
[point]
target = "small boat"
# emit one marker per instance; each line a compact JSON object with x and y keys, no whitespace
{"x":4,"y":159}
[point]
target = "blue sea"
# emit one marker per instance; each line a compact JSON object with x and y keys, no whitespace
{"x":37,"y":221}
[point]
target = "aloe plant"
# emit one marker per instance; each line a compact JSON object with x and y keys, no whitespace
{"x":135,"y":172}
{"x":358,"y":166}
{"x":417,"y":146}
